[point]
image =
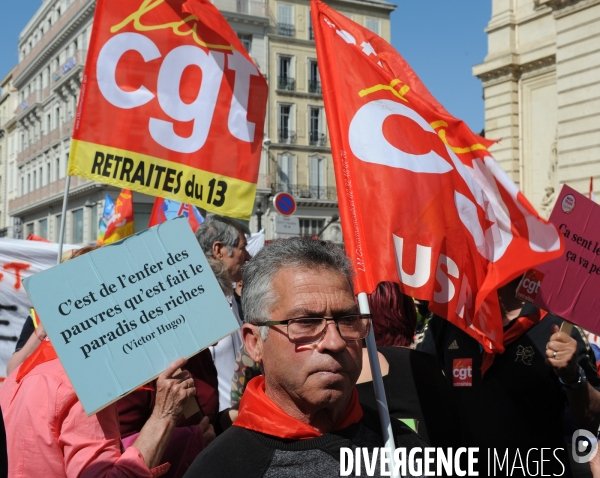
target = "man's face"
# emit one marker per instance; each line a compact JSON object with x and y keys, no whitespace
{"x":235,"y":262}
{"x":313,"y":376}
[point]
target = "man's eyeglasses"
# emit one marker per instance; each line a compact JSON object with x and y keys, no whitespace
{"x":309,"y":330}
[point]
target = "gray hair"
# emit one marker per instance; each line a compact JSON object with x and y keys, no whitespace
{"x":220,"y":272}
{"x":223,"y":229}
{"x":258,"y":298}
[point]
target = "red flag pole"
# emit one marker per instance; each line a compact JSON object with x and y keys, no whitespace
{"x":63,"y":219}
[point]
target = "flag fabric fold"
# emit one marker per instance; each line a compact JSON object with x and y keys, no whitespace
{"x":422,"y":200}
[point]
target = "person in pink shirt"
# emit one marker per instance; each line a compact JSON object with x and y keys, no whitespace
{"x":49,"y":434}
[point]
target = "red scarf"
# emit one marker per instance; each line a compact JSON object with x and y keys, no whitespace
{"x":44,"y":353}
{"x":259,"y":413}
{"x":517,"y":328}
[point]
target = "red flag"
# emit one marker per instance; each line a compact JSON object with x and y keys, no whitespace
{"x":422,"y":201}
{"x":120,"y":223}
{"x":165,"y":209}
{"x":171,"y":105}
{"x":33,"y":237}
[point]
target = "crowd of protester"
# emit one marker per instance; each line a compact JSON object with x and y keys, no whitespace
{"x":295,"y":381}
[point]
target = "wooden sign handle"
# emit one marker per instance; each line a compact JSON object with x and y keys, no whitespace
{"x":566,"y":327}
{"x":191,"y":407}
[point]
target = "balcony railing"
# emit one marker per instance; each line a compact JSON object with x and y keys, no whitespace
{"x":256,"y":8}
{"x":286,"y":30}
{"x":52,"y":191}
{"x":305,"y":191}
{"x":286,"y":83}
{"x":317,"y":139}
{"x":314,"y":86}
{"x":65,"y":130}
{"x":286,"y":136}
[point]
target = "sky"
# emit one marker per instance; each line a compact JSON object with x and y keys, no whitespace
{"x":440,"y":39}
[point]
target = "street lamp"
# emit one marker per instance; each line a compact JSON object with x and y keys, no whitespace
{"x":259,"y":214}
{"x":334,"y":218}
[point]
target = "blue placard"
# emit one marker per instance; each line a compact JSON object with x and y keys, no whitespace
{"x":119,"y":315}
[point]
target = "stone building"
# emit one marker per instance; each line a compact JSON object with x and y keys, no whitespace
{"x":297,"y":142}
{"x":8,"y":155}
{"x":541,"y":82}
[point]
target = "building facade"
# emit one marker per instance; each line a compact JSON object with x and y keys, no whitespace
{"x":297,"y":142}
{"x":8,"y":155}
{"x":296,"y":156}
{"x":541,"y":82}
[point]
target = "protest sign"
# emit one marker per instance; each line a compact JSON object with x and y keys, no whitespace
{"x":568,"y":286}
{"x":18,"y":260}
{"x":119,"y":315}
{"x":171,"y":105}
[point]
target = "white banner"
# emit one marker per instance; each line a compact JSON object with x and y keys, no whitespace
{"x":19,"y":259}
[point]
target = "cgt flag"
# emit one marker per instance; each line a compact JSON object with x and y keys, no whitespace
{"x":422,"y":200}
{"x":120,"y":223}
{"x":165,"y":209}
{"x":171,"y":105}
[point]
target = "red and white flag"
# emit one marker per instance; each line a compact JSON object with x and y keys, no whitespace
{"x":422,"y":201}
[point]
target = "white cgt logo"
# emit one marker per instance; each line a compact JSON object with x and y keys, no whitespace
{"x":369,"y":144}
{"x":201,"y":110}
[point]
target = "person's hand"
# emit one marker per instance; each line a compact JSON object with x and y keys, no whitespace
{"x":208,"y":431}
{"x":173,"y":389}
{"x":40,"y":331}
{"x":561,"y":355}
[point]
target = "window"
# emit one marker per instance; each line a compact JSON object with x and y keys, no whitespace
{"x":28,"y":229}
{"x":286,"y":173}
{"x":286,"y":80}
{"x":311,"y":227}
{"x":41,"y":178}
{"x":285,"y":20}
{"x":311,"y":32}
{"x":57,"y":117}
{"x":44,"y":228}
{"x":316,"y":136}
{"x":246,"y":42}
{"x":78,"y":226}
{"x":314,"y":79}
{"x":57,"y":169}
{"x":22,"y":186}
{"x":317,"y":177}
{"x":48,"y":123}
{"x":373,"y":24}
{"x":34,"y":180}
{"x":28,"y":182}
{"x":57,"y":227}
{"x":94,"y":223}
{"x":286,"y":133}
{"x":66,"y":162}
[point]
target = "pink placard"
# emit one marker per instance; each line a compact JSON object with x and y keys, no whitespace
{"x":570,"y":285}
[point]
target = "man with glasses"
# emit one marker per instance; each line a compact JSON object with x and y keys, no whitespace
{"x":304,"y":327}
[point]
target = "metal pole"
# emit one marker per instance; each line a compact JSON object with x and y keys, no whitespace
{"x":382,"y":406}
{"x":63,"y":219}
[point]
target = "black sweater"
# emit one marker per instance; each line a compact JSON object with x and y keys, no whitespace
{"x":240,"y":452}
